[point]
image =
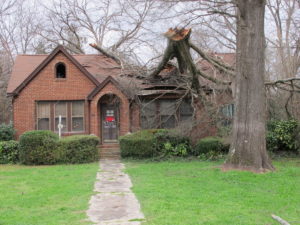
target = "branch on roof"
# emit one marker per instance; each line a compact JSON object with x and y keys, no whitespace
{"x":168,"y":54}
{"x":216,"y":63}
{"x":179,"y":47}
{"x":104,"y":52}
{"x":216,"y":81}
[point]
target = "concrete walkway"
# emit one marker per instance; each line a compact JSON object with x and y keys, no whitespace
{"x":114,"y":203}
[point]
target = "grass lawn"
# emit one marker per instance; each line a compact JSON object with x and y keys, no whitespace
{"x":194,"y":192}
{"x":45,"y":195}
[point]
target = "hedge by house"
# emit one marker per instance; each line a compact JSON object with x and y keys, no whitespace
{"x":153,"y":143}
{"x":210,"y":144}
{"x":7,"y":132}
{"x":78,"y":149}
{"x":9,"y":152}
{"x":169,"y":143}
{"x":139,"y":144}
{"x":38,"y":147}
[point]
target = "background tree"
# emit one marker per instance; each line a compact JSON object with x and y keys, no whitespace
{"x":18,"y":32}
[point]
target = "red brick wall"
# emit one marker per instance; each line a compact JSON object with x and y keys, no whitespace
{"x":134,"y":117}
{"x":45,"y":86}
{"x":204,"y":124}
{"x":110,"y":88}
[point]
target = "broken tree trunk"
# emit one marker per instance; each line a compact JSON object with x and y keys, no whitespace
{"x":178,"y":47}
{"x":248,"y":147}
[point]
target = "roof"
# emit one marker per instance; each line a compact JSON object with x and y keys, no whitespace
{"x":226,"y":58}
{"x":99,"y":67}
{"x":170,"y":75}
{"x":96,"y":67}
{"x":103,"y":84}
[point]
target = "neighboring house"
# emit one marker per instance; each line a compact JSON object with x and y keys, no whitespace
{"x":92,"y":94}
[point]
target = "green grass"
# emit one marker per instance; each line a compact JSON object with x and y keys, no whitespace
{"x":45,"y":195}
{"x":194,"y":192}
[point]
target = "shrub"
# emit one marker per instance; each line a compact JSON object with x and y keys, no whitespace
{"x":209,"y":145}
{"x":7,"y":132}
{"x":282,"y":135}
{"x":78,"y":149}
{"x":168,"y":143}
{"x":153,"y":143}
{"x":9,"y":152}
{"x":211,"y":156}
{"x":38,"y":147}
{"x":139,"y":144}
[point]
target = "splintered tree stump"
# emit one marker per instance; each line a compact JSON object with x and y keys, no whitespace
{"x":179,"y":47}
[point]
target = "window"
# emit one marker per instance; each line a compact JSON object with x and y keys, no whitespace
{"x":227,"y":113}
{"x":185,"y":110}
{"x":77,"y":116}
{"x":60,"y":70}
{"x":71,"y":112}
{"x":148,"y":116}
{"x":167,"y":113}
{"x":61,"y":110}
{"x":43,"y":116}
{"x":164,"y":113}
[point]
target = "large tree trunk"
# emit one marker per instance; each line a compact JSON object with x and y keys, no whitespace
{"x":248,"y":147}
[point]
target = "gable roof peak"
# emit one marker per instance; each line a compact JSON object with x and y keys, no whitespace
{"x":108,"y":79}
{"x":45,"y":62}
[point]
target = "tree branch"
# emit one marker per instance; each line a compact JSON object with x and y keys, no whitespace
{"x":212,"y":79}
{"x":284,"y":81}
{"x":104,"y":52}
{"x":280,"y":220}
{"x":219,"y":65}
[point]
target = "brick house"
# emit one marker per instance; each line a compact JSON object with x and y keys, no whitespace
{"x":92,"y":94}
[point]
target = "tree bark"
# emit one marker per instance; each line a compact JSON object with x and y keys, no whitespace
{"x":179,"y":47}
{"x":248,"y":147}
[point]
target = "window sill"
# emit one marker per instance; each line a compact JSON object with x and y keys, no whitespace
{"x":72,"y":133}
{"x":60,"y":79}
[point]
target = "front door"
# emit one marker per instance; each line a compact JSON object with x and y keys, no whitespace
{"x":110,"y":124}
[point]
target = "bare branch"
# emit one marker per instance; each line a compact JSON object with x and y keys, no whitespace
{"x":104,"y":52}
{"x":280,"y":220}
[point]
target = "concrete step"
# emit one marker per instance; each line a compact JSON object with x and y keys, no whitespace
{"x":109,"y":156}
{"x":110,"y":145}
{"x":109,"y":151}
{"x":112,"y":156}
{"x":114,"y":148}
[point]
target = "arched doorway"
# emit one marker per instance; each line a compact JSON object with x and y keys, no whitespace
{"x":109,"y":105}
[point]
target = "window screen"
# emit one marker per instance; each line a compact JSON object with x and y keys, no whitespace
{"x":61,"y":110}
{"x":43,"y":116}
{"x":78,"y":116}
{"x":228,"y":111}
{"x":185,"y":110}
{"x":148,"y":115}
{"x":167,"y":113}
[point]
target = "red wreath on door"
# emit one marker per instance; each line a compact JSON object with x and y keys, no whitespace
{"x":110,"y":119}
